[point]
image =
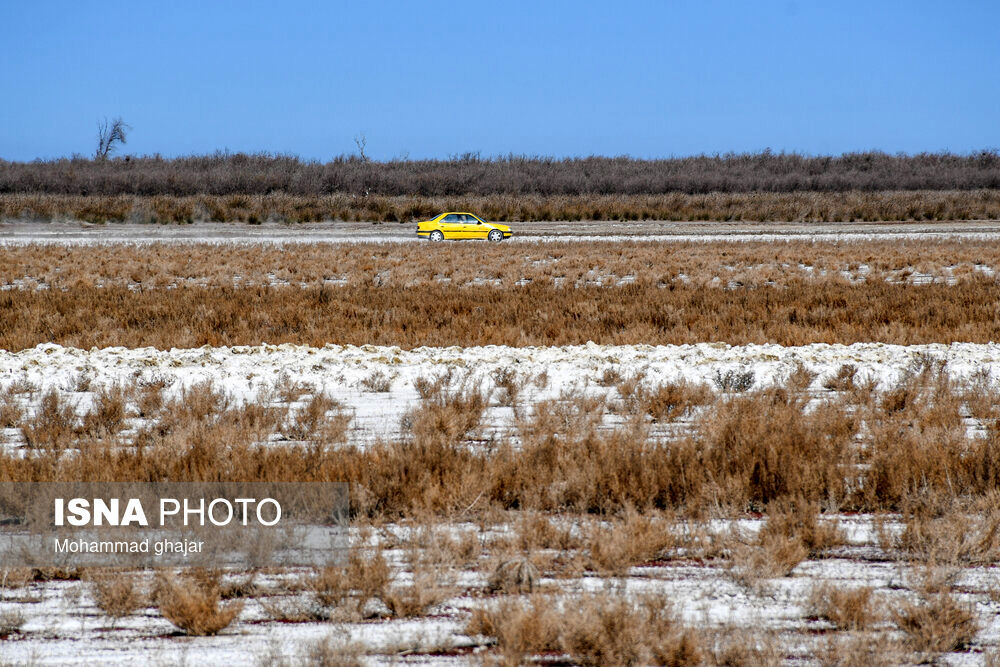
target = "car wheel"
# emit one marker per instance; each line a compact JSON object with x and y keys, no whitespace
{"x":436,"y":235}
{"x":495,"y":235}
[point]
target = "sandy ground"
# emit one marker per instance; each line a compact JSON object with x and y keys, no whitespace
{"x":348,"y":232}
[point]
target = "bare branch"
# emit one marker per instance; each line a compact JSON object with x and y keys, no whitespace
{"x":361,"y":141}
{"x":109,"y":134}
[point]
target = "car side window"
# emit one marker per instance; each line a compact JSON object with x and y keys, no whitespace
{"x":450,"y":218}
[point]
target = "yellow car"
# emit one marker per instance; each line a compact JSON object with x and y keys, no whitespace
{"x":461,"y":226}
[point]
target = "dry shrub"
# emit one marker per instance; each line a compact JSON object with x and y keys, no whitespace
{"x":847,"y":206}
{"x":736,"y":647}
{"x":150,"y":399}
{"x":508,"y":384}
{"x":734,"y":380}
{"x":117,"y":594}
{"x":847,"y":609}
{"x":449,"y":416}
{"x":426,"y":590}
{"x":520,"y":628}
{"x":862,"y":650}
{"x":335,"y":650}
{"x":610,"y":377}
{"x":960,"y":533}
{"x":637,"y":539}
{"x":799,"y":519}
{"x":918,"y":446}
{"x":843,"y":380}
{"x":438,"y":385}
{"x":321,"y":419}
{"x":377,"y":381}
{"x":15,"y":577}
{"x":572,"y":415}
{"x":11,"y":412}
{"x":54,"y":424}
{"x":765,"y":446}
{"x":363,"y":576}
{"x":535,"y":531}
{"x":672,"y":400}
{"x":771,"y":557}
{"x":192,"y":604}
{"x":595,"y":629}
{"x":260,"y":181}
{"x":109,"y":411}
{"x":936,"y":623}
{"x":800,"y":379}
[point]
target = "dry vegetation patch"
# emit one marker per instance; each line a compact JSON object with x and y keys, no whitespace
{"x":192,"y":603}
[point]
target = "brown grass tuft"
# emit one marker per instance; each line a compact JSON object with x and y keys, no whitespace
{"x":937,"y":624}
{"x":192,"y":604}
{"x":848,"y":609}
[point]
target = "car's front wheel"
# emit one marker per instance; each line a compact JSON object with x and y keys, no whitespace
{"x":436,"y":235}
{"x":495,"y":235}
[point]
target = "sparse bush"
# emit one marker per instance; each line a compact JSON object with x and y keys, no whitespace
{"x":109,"y":412}
{"x":594,"y":630}
{"x":54,"y":424}
{"x":734,"y":380}
{"x":773,"y":556}
{"x":364,"y":576}
{"x":843,"y":380}
{"x":11,"y":412}
{"x":937,"y":624}
{"x":672,"y":400}
{"x":321,"y":419}
{"x":335,"y":650}
{"x":117,"y":595}
{"x":192,"y":604}
{"x":848,"y":609}
{"x":377,"y":382}
{"x":508,"y":384}
{"x":415,"y":598}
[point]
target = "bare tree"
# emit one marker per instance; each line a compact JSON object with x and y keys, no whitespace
{"x":361,"y":141}
{"x":109,"y":134}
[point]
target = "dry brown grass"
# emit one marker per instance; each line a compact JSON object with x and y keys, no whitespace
{"x":672,"y":400}
{"x":11,"y":411}
{"x":772,"y":556}
{"x":597,"y":629}
{"x":192,"y":603}
{"x":364,"y":576}
{"x":761,"y":451}
{"x":54,"y":424}
{"x":847,"y":608}
{"x":937,"y":623}
{"x":755,"y":206}
{"x":740,"y":266}
{"x":117,"y":594}
{"x":430,"y":315}
{"x":634,"y":540}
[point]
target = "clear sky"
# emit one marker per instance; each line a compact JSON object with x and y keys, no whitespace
{"x":431,"y":79}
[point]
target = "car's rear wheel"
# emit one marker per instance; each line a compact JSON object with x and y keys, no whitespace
{"x":436,"y":235}
{"x":495,"y":235}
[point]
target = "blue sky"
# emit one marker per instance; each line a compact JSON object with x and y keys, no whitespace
{"x":431,"y":79}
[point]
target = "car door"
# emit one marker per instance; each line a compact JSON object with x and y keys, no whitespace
{"x":452,"y":226}
{"x":473,"y":228}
